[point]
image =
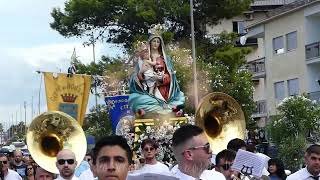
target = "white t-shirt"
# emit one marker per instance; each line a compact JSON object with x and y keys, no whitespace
{"x":12,"y":175}
{"x":61,"y":178}
{"x":87,"y":175}
{"x":212,"y":174}
{"x":158,"y":168}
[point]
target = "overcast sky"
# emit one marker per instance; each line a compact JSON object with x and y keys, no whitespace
{"x":28,"y":44}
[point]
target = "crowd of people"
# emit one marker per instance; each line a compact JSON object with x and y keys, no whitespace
{"x":112,"y":158}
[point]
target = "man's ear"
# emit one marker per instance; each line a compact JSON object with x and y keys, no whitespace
{"x":187,"y":155}
{"x":93,"y":169}
{"x":306,"y":157}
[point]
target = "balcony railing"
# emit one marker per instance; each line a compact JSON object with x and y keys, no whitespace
{"x":257,"y":67}
{"x":314,"y":96}
{"x":312,"y":50}
{"x":261,"y":108}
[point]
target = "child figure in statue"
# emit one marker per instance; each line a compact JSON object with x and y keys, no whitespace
{"x":146,"y":65}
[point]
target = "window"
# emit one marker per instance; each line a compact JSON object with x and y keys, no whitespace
{"x":291,"y":39}
{"x":293,"y":87}
{"x":239,"y":27}
{"x":279,"y":90}
{"x":278,"y":46}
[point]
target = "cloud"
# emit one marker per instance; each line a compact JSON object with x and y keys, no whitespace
{"x":55,"y":55}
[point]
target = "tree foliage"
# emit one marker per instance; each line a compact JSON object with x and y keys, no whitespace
{"x":294,"y":128}
{"x":97,"y":122}
{"x":124,"y":21}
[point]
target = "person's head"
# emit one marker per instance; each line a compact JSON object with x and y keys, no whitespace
{"x":312,"y":159}
{"x":224,"y":161}
{"x":30,"y":170}
{"x":236,"y":144}
{"x":276,"y":167}
{"x":144,"y":54}
{"x":66,"y":163}
{"x":4,"y":161}
{"x":149,"y":148}
{"x":17,"y":156}
{"x":111,"y":158}
{"x":42,"y":174}
{"x":191,"y":148}
{"x":155,"y":44}
{"x":88,"y":158}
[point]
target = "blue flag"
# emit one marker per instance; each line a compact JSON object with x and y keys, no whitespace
{"x":118,"y":107}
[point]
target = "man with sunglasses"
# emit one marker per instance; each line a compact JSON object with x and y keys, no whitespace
{"x":6,"y":172}
{"x":149,"y":150}
{"x":66,"y":164}
{"x":192,"y":152}
{"x":224,"y":161}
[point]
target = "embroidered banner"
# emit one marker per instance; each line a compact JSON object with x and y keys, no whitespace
{"x":68,"y":93}
{"x":118,"y":107}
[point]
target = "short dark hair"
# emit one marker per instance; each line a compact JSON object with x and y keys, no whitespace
{"x":185,"y":133}
{"x":111,"y":141}
{"x":226,"y":154}
{"x":236,"y":144}
{"x":315,"y":148}
{"x":149,"y":141}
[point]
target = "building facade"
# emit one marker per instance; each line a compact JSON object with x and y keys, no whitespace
{"x":289,"y":41}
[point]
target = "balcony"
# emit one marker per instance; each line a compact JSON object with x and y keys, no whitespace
{"x":257,"y":68}
{"x":314,"y":96}
{"x":312,"y":51}
{"x":260,"y":110}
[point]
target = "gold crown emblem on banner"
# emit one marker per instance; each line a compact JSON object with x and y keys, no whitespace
{"x":71,"y":98}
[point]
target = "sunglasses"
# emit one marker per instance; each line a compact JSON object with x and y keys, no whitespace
{"x":205,"y":147}
{"x":4,"y":162}
{"x":63,"y":161}
{"x":30,"y":168}
{"x":226,"y":166}
{"x":148,"y":149}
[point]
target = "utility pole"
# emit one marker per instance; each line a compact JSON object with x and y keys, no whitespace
{"x":25,"y":116}
{"x":31,"y":107}
{"x":195,"y":81}
{"x":93,"y":41}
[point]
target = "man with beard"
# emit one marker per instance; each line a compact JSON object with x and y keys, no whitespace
{"x":312,"y":169}
{"x":192,"y":152}
{"x":66,"y":164}
{"x":18,"y":164}
{"x":149,"y":150}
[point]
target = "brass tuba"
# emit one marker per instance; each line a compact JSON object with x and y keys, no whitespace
{"x":51,"y":132}
{"x":221,"y":118}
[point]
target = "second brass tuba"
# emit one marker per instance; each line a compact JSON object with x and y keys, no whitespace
{"x":221,"y":118}
{"x":51,"y":132}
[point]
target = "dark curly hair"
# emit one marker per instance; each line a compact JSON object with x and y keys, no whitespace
{"x":280,"y":167}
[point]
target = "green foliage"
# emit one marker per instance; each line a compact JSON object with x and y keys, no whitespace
{"x":123,"y":21}
{"x":97,"y":123}
{"x":223,"y":72}
{"x":298,"y":117}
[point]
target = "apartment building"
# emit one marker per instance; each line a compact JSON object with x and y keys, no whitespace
{"x":288,"y":53}
{"x":259,"y":11}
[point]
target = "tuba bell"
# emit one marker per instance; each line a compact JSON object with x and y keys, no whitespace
{"x":221,"y":118}
{"x":51,"y":132}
